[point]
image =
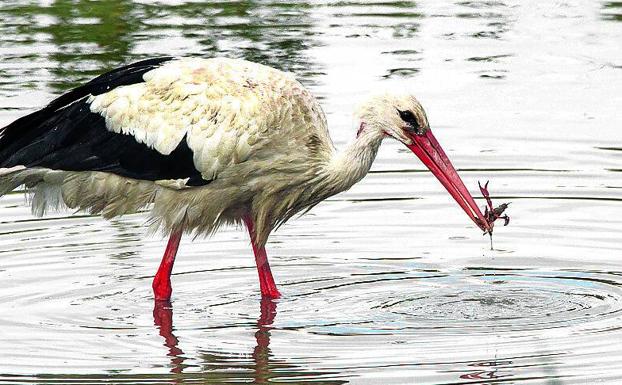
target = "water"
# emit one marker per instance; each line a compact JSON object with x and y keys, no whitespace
{"x":385,"y":284}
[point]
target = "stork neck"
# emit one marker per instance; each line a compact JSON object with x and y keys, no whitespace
{"x":351,"y":164}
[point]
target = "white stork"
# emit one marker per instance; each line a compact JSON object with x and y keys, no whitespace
{"x":205,"y":142}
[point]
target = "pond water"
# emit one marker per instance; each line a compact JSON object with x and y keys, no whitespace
{"x":387,"y":283}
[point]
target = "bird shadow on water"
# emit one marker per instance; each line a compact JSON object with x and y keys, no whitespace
{"x":258,"y":367}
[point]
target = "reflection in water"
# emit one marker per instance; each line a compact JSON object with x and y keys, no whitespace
{"x":261,"y":353}
{"x":487,"y":20}
{"x":612,"y":10}
{"x":402,"y":19}
{"x":260,"y":366}
{"x":163,"y":319}
{"x":487,"y":370}
{"x":86,"y":32}
{"x":90,"y":37}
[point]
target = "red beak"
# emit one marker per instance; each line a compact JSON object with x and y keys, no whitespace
{"x":427,"y":148}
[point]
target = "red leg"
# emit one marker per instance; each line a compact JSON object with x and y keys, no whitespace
{"x":162,"y":281}
{"x":266,"y":281}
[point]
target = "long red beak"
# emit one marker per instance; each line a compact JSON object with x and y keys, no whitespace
{"x":427,"y":148}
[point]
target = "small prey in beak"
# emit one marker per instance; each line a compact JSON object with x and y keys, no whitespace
{"x":493,"y":213}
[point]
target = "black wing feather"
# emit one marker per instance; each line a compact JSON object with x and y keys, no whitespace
{"x":66,"y":135}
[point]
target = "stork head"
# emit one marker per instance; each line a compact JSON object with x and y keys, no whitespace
{"x":401,"y":117}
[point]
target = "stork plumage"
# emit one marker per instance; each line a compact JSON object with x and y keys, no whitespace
{"x":202,"y":143}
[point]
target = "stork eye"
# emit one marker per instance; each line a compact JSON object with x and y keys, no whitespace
{"x":409,"y":118}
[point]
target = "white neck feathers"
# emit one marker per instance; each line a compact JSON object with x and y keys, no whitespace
{"x":351,"y":164}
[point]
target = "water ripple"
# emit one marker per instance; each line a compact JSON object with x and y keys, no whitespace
{"x":468,"y":302}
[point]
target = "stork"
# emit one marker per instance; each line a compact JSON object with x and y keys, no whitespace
{"x":203,"y":143}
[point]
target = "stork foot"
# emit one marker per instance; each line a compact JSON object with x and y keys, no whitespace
{"x":267,"y":285}
{"x":266,"y":280}
{"x":272,"y":294}
{"x":162,"y":288}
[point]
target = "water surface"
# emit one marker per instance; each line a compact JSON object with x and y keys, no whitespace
{"x":387,"y":283}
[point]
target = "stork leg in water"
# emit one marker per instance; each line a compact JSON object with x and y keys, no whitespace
{"x":161,"y":285}
{"x":266,"y":281}
{"x":201,"y":142}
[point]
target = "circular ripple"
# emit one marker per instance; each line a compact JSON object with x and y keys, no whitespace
{"x":477,"y":302}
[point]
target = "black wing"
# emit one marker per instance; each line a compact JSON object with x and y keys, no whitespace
{"x":66,"y":135}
